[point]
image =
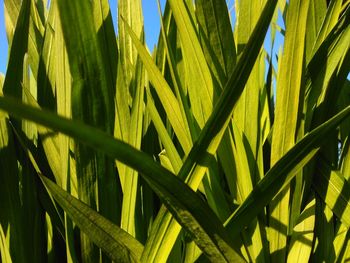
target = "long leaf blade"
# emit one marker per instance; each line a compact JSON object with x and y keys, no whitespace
{"x":119,"y":245}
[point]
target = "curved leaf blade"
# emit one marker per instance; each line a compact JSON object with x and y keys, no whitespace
{"x":118,"y":244}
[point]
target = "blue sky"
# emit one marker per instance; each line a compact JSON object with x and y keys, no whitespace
{"x":3,"y":41}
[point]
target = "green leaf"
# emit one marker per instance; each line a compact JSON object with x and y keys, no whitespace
{"x":118,"y":244}
{"x":316,"y":15}
{"x":166,"y":53}
{"x":46,"y":77}
{"x":4,"y":249}
{"x":323,"y":231}
{"x":130,"y":182}
{"x":67,"y":164}
{"x":302,"y":237}
{"x":288,"y":95}
{"x":334,"y":190}
{"x":12,"y":14}
{"x":341,"y":239}
{"x":12,"y":83}
{"x":169,"y":146}
{"x":131,"y":12}
{"x":11,"y":216}
{"x":216,"y":37}
{"x":253,"y":241}
{"x":324,"y":64}
{"x":106,"y":37}
{"x":329,"y":21}
{"x":19,"y":195}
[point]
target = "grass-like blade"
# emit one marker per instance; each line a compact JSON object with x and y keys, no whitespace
{"x":12,"y":82}
{"x":216,"y":37}
{"x":301,"y":241}
{"x":118,"y":244}
{"x":334,"y":190}
{"x":12,"y":14}
{"x":11,"y":215}
{"x":289,"y":93}
{"x":4,"y":250}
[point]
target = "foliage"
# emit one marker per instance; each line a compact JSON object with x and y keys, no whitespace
{"x":205,"y":149}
